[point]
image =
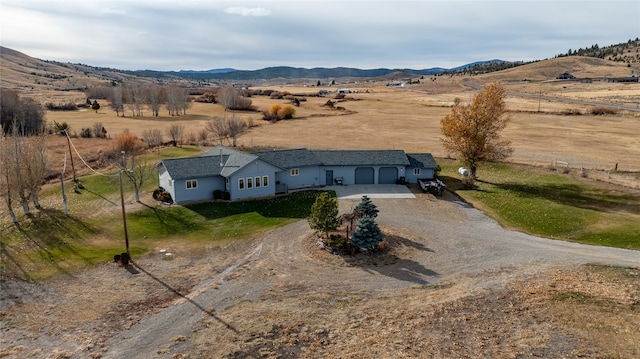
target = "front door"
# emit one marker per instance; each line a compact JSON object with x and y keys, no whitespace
{"x":329,"y":181}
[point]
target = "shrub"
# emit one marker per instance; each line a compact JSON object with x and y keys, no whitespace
{"x":274,"y":109}
{"x":571,"y":112}
{"x":160,"y":194}
{"x":603,"y":111}
{"x":86,"y":133}
{"x":69,"y":106}
{"x":286,"y":112}
{"x":99,"y":130}
{"x":128,"y":142}
{"x":337,"y":241}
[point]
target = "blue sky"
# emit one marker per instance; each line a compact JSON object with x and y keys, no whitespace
{"x":249,"y":35}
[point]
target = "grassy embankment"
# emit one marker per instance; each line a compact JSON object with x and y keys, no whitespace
{"x":548,"y":204}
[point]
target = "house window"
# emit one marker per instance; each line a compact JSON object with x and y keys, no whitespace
{"x":416,"y":172}
{"x":265,"y":181}
{"x":240,"y":183}
{"x":191,"y":184}
{"x":295,"y":171}
{"x":257,"y":179}
{"x":249,"y":182}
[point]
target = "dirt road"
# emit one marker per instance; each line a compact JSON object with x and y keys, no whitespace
{"x":435,"y":242}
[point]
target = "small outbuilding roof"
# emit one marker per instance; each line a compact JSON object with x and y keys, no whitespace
{"x":422,"y":160}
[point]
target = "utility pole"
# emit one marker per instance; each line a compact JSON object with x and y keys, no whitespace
{"x":539,"y":98}
{"x":124,"y":217}
{"x":124,"y":213}
{"x":71,"y":155}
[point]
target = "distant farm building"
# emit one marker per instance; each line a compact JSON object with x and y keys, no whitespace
{"x":565,"y":76}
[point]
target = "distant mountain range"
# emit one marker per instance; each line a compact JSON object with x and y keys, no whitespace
{"x":299,"y":73}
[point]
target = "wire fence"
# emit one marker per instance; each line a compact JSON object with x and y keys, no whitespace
{"x":606,"y":172}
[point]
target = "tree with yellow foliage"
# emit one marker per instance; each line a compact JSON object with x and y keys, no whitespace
{"x":472,"y":131}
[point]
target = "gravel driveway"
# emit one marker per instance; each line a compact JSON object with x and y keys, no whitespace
{"x":442,"y":239}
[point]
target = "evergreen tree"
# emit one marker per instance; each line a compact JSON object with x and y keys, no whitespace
{"x":324,"y":214}
{"x":95,"y":106}
{"x":367,"y":235}
{"x":367,"y":208}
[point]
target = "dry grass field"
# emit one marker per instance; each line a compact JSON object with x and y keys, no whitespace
{"x":378,"y":117}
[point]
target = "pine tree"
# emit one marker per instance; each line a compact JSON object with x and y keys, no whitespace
{"x":324,"y":214}
{"x":367,"y":207}
{"x":95,"y":105}
{"x":367,"y":235}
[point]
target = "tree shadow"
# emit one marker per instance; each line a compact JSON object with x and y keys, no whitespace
{"x":388,"y":263}
{"x":168,"y":221}
{"x":50,"y":237}
{"x":134,"y":270}
{"x":97,"y":195}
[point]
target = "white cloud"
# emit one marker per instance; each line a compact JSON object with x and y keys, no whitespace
{"x":246,"y":11}
{"x":195,"y":34}
{"x":113,"y":11}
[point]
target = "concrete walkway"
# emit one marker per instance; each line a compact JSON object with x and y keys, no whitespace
{"x":372,"y":191}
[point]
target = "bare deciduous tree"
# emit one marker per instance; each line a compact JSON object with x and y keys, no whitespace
{"x":138,"y":172}
{"x":152,"y":137}
{"x":176,"y":132}
{"x":177,"y":100}
{"x":232,"y":99}
{"x":25,"y":114}
{"x":135,"y":98}
{"x":22,"y":169}
{"x":155,"y":95}
{"x":117,"y":100}
{"x":226,"y":128}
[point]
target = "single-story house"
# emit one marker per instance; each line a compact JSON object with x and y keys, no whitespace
{"x":249,"y":175}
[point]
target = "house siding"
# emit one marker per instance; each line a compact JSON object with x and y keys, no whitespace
{"x":204,"y":191}
{"x":307,"y":177}
{"x":425,"y":173}
{"x":253,"y":170}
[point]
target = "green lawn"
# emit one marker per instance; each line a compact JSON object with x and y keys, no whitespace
{"x":49,"y":243}
{"x":548,"y":204}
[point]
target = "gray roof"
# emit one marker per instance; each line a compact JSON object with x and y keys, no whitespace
{"x":233,"y":159}
{"x":422,"y":160}
{"x":193,"y":167}
{"x":290,"y":158}
{"x":362,"y":158}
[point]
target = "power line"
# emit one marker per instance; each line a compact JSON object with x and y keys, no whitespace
{"x":82,"y":159}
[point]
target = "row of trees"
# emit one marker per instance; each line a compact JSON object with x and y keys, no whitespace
{"x":24,"y":115}
{"x":135,"y":96}
{"x":23,"y":164}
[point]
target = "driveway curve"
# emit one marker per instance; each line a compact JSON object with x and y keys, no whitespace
{"x":440,"y":239}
